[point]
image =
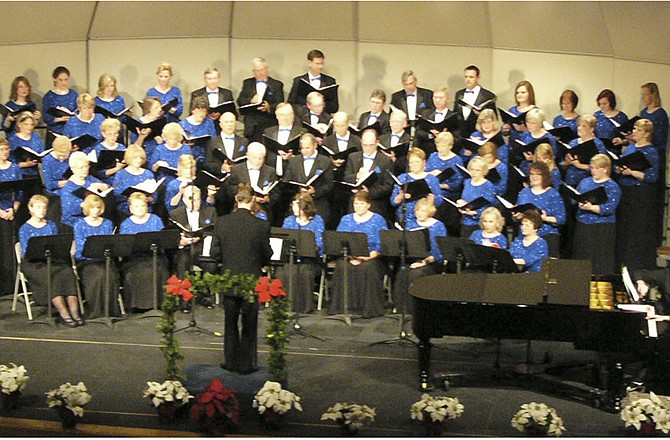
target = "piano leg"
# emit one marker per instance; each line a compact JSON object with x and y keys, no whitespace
{"x":424,"y":365}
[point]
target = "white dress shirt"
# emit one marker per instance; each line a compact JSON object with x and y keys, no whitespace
{"x":470,"y":97}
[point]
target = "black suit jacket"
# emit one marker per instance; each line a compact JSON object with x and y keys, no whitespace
{"x":213,"y":163}
{"x":273,"y":133}
{"x":256,"y":122}
{"x":425,"y":139}
{"x":424,"y":100}
{"x":468,"y":125}
{"x":207,"y":217}
{"x":225,"y":95}
{"x":400,"y":164}
{"x":332,"y":106}
{"x":380,"y":191}
{"x":244,"y":241}
{"x":322,"y":186}
{"x":383,"y":122}
{"x":225,"y":198}
{"x":332,"y":144}
{"x":303,"y":115}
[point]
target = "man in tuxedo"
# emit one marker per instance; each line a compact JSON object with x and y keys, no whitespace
{"x":244,"y":240}
{"x":314,"y":77}
{"x":214,"y":94}
{"x":398,"y":135}
{"x":425,"y":138}
{"x":307,"y":165}
{"x":376,"y":113}
{"x":412,"y":99}
{"x":267,"y":92}
{"x":254,"y":172}
{"x":360,"y":163}
{"x":285,"y":134}
{"x":473,"y":94}
{"x":313,"y":114}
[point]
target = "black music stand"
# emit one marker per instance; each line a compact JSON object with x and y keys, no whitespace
{"x":345,"y":244}
{"x":152,"y":242}
{"x":108,"y":247}
{"x":456,"y":249}
{"x":47,"y":248}
{"x":494,"y":260}
{"x":414,"y":245}
{"x":301,"y":243}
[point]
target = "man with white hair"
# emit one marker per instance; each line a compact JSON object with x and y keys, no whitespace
{"x":265,"y":91}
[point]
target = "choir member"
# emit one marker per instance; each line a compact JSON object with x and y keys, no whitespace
{"x":416,"y":159}
{"x":549,"y":203}
{"x":451,"y":186}
{"x":608,"y":112}
{"x":412,"y":99}
{"x":575,"y":171}
{"x":398,"y":135}
{"x":8,"y":206}
{"x":651,"y":98}
{"x":192,"y":215}
{"x":20,"y":96}
{"x":138,"y":269}
{"x":198,"y":125}
{"x":489,"y":152}
{"x":524,"y":96}
{"x":108,"y":94}
{"x":175,"y":190}
{"x":133,"y":174}
{"x":92,"y":270}
{"x":314,"y":114}
{"x":473,"y":188}
{"x":166,"y":92}
{"x":84,"y":122}
{"x":213,"y":93}
{"x":545,"y":154}
{"x":529,"y":250}
{"x":360,"y":163}
{"x":536,"y":131}
{"x":306,"y":270}
{"x":110,"y":129}
{"x":54,"y":167}
{"x":286,"y":130}
{"x":25,"y":136}
{"x":426,"y":139}
{"x":151,"y":107}
{"x":568,"y":116}
{"x":595,"y":231}
{"x":376,"y":112}
{"x":637,"y":235}
{"x":491,"y":225}
{"x":71,"y":203}
{"x":305,"y":166}
{"x":227,"y":142}
{"x":60,"y":96}
{"x":316,"y":61}
{"x":265,"y":91}
{"x":366,"y":273}
{"x":475,"y":95}
{"x":167,"y":155}
{"x":488,"y":127}
{"x":63,"y":287}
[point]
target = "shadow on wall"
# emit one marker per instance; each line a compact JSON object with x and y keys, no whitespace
{"x":374,"y":71}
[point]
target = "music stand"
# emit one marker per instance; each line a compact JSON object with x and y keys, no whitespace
{"x":456,"y":249}
{"x":404,"y":244}
{"x":108,"y":247}
{"x":49,"y":247}
{"x":345,"y":244}
{"x":16,"y":186}
{"x":152,"y":241}
{"x":301,"y":243}
{"x":495,"y":260}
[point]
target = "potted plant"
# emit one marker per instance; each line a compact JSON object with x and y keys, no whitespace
{"x":433,"y":411}
{"x":273,"y":403}
{"x":68,"y":401}
{"x":647,"y":414}
{"x":216,"y":408}
{"x":167,"y":397}
{"x":13,"y":380}
{"x":538,"y":420}
{"x":350,"y":416}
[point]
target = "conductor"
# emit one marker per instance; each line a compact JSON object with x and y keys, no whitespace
{"x":245,"y":248}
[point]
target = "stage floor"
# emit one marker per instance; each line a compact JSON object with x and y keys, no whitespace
{"x":116,"y":364}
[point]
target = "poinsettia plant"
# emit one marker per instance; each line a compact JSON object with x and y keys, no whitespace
{"x":174,"y":290}
{"x":216,"y":408}
{"x":13,"y":378}
{"x":278,"y":324}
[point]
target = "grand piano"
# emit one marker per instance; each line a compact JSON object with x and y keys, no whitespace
{"x":551,"y":305}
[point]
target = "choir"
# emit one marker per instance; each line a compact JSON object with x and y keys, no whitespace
{"x":420,"y":165}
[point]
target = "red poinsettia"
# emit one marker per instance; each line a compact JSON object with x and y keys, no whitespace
{"x":216,"y":400}
{"x":178,"y":287}
{"x":267,"y":290}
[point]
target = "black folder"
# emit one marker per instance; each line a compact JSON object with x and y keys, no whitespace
{"x":155,"y":126}
{"x":292,"y":144}
{"x":6,"y":111}
{"x":596,"y":196}
{"x":636,"y":161}
{"x":584,"y":151}
{"x":417,"y":189}
{"x":511,"y":118}
{"x":224,"y":107}
{"x":451,"y":123}
{"x":108,"y":158}
{"x":401,"y":149}
{"x":109,"y":114}
{"x":329,"y":92}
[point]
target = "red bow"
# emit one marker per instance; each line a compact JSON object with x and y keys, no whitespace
{"x":178,"y":287}
{"x":266,"y":289}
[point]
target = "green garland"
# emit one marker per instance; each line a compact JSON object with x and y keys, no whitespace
{"x":278,"y":334}
{"x":242,"y":284}
{"x":170,"y":348}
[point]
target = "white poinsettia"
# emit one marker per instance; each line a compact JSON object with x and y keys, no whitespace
{"x":272,"y":397}
{"x":538,"y":416}
{"x":353,"y":415}
{"x":170,"y":391}
{"x":73,"y":397}
{"x":652,"y":410}
{"x":13,"y":378}
{"x":439,"y":408}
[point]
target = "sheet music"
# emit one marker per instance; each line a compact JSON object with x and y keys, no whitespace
{"x":630,"y":286}
{"x":649,"y":310}
{"x":276,"y":244}
{"x":207,"y":246}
